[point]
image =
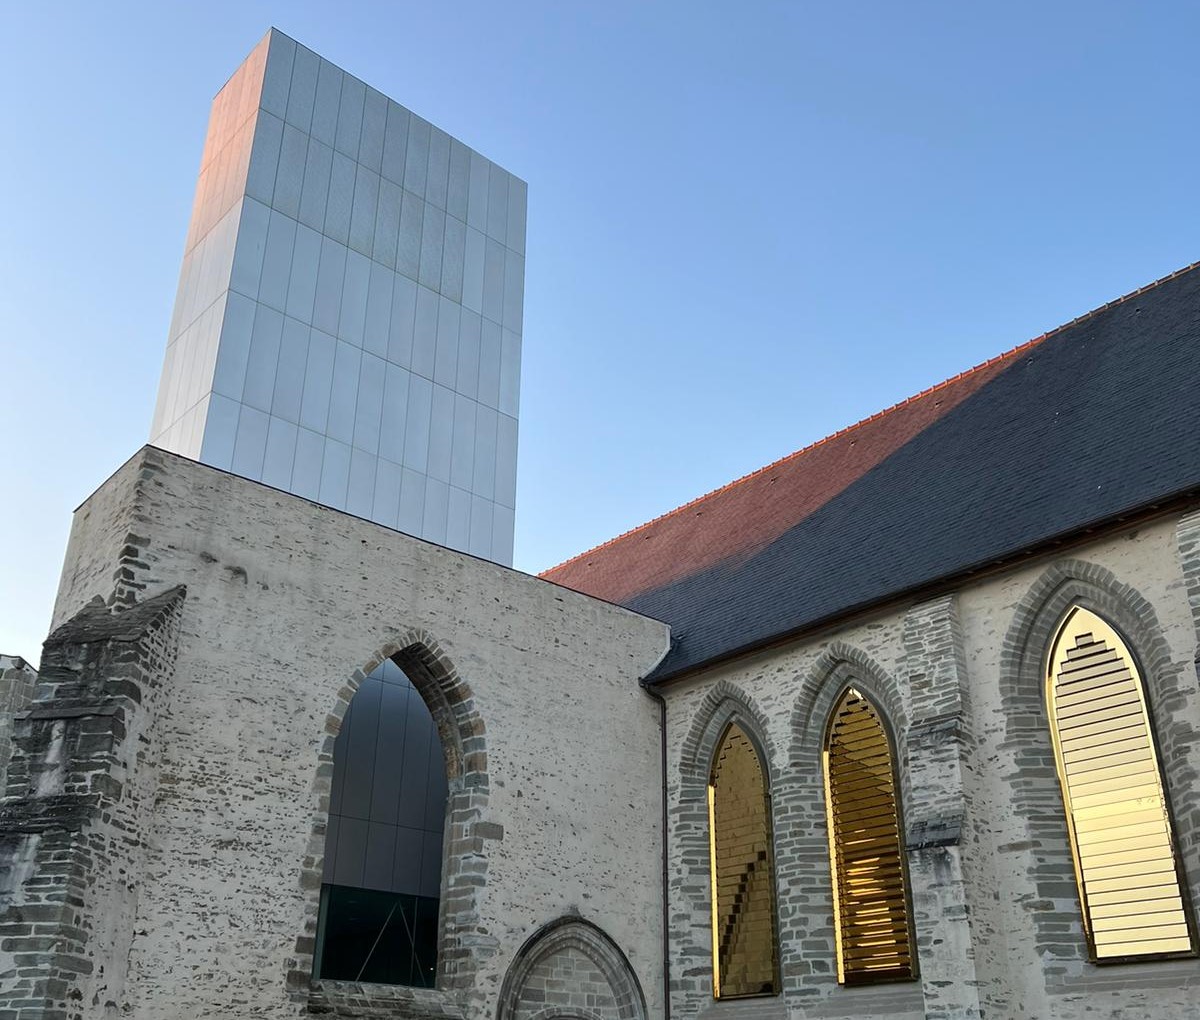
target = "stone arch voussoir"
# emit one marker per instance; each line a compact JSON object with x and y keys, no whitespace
{"x":544,"y":966}
{"x":837,"y":667}
{"x":807,"y":946}
{"x":724,"y":703}
{"x":1064,"y":584}
{"x":450,"y":701}
{"x":1030,"y":770}
{"x":461,"y":729}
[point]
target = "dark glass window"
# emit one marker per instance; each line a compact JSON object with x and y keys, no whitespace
{"x":383,"y":850}
{"x":386,"y":937}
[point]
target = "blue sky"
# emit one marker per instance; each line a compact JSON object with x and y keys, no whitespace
{"x":749,"y":225}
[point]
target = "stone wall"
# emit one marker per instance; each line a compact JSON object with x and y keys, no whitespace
{"x":74,"y":819}
{"x":17,"y":678}
{"x":959,"y":680}
{"x":162,"y":832}
{"x":571,"y":969}
{"x":552,"y":749}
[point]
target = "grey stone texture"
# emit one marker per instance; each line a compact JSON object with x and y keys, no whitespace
{"x":552,"y":750}
{"x":938,"y":755}
{"x":17,"y":678}
{"x":571,"y":969}
{"x":163,"y":825}
{"x":75,"y":817}
{"x":959,"y":680}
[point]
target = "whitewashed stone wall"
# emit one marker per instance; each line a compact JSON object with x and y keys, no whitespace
{"x":959,"y":679}
{"x":17,"y":678}
{"x":554,"y":749}
{"x":552,"y":891}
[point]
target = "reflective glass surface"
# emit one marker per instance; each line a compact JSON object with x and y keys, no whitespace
{"x":1130,"y":884}
{"x":338,"y":239}
{"x":383,"y":849}
{"x":743,"y":884}
{"x":870,"y":895}
{"x":368,"y":935}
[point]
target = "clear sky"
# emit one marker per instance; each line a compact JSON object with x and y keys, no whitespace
{"x":750,"y":224}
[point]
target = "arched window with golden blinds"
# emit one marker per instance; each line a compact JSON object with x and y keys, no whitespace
{"x":745,"y":957}
{"x":872,"y":916}
{"x":1131,"y":884}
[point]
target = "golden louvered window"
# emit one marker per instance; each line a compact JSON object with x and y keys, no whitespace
{"x":743,"y":880}
{"x":870,"y":888}
{"x":1131,"y":886}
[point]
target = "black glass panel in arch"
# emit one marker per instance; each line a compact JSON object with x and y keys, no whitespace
{"x":383,"y":850}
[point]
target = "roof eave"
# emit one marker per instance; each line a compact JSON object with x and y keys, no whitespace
{"x":1121,"y":520}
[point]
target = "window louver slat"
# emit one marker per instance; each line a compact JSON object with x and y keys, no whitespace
{"x":1130,"y":888}
{"x":743,"y":895}
{"x":874,"y":937}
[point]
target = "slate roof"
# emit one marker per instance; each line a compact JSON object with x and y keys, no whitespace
{"x":1097,"y":420}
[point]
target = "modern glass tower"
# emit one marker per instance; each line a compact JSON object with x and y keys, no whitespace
{"x":348,"y":320}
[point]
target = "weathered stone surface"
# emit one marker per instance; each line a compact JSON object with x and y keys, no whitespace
{"x":77,"y":808}
{"x":570,"y":968}
{"x":162,"y":836}
{"x":17,"y":679}
{"x":959,"y":679}
{"x":551,"y":747}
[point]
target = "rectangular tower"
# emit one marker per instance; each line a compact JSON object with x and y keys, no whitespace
{"x":348,"y":320}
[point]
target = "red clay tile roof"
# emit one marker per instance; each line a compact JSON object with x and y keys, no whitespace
{"x":737,"y":520}
{"x":964,"y":461}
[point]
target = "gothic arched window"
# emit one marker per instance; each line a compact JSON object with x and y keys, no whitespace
{"x":743,"y":877}
{"x":866,"y":855}
{"x":1131,"y":884}
{"x":381,"y":886}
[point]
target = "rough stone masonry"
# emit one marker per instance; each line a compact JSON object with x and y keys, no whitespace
{"x":162,"y":828}
{"x":165,"y":811}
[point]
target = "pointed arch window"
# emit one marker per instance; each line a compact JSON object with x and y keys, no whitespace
{"x":381,"y":886}
{"x":744,"y":937}
{"x":1131,"y":883}
{"x":872,"y":915}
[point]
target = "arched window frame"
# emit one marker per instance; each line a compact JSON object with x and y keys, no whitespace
{"x":464,"y":743}
{"x":377,"y":924}
{"x":1034,"y":796}
{"x":809,"y":922}
{"x":689,"y":893}
{"x":1148,"y":716}
{"x":912,"y":972}
{"x":738,"y":721}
